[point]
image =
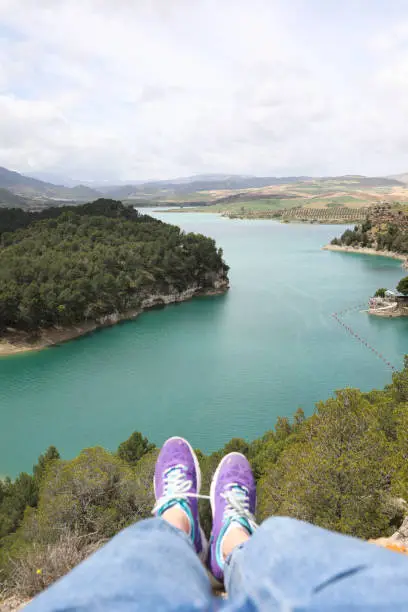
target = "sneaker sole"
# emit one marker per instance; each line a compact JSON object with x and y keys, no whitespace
{"x":204,"y":552}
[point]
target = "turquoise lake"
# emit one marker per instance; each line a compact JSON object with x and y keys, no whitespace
{"x":212,"y":368}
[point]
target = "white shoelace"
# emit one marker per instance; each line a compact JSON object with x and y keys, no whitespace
{"x":237,"y":506}
{"x":176,"y":486}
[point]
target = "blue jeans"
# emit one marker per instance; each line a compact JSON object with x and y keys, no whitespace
{"x":286,"y":565}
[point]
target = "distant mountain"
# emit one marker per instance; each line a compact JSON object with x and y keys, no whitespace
{"x":35,"y":189}
{"x":54,"y":178}
{"x":61,"y":179}
{"x":196,"y":183}
{"x":41,"y":191}
{"x":232,"y":181}
{"x":365,"y":181}
{"x":403,"y":178}
{"x":189,"y":185}
{"x":8,"y":199}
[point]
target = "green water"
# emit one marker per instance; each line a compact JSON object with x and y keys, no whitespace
{"x":211,"y":368}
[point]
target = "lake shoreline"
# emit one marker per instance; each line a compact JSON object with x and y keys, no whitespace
{"x":367,"y":251}
{"x":267,"y":215}
{"x":389,"y":314}
{"x":15,"y":342}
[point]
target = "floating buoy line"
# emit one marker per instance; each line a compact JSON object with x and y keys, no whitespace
{"x":338,"y":317}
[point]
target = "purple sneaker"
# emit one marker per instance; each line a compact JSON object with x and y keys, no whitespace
{"x":233,"y":500}
{"x":177,"y":480}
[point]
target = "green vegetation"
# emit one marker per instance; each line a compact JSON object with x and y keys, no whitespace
{"x":259,"y":204}
{"x":380,"y":292}
{"x":134,"y":448}
{"x":334,"y":203}
{"x":344,"y":468}
{"x":243,"y":206}
{"x":70,"y":264}
{"x":286,"y":210}
{"x":393,"y":239}
{"x":384,"y":237}
{"x":322,"y":199}
{"x":304,"y":209}
{"x":402,"y":286}
{"x":12,"y":219}
{"x":342,"y":199}
{"x":7,"y":198}
{"x":337,"y":214}
{"x":360,"y":236}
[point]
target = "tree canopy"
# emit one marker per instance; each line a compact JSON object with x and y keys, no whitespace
{"x":80,"y":263}
{"x":380,"y":292}
{"x":385,"y":237}
{"x":402,"y":286}
{"x":134,"y":448}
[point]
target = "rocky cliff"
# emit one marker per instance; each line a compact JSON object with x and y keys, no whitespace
{"x":215,"y":283}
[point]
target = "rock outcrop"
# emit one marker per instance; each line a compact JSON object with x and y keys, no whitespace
{"x":398,"y":541}
{"x":388,"y":307}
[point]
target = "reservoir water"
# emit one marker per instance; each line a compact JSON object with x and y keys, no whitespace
{"x":212,"y":368}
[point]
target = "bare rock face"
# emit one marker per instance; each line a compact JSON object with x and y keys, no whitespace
{"x":401,"y":535}
{"x":384,"y":214}
{"x":221,"y":283}
{"x":214,"y":283}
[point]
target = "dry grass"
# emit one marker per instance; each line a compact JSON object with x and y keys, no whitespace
{"x":12,"y":604}
{"x":42,"y":565}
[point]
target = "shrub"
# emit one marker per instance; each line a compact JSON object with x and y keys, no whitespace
{"x":380,"y":292}
{"x":96,"y":493}
{"x":402,"y":286}
{"x":134,"y":448}
{"x":333,"y":473}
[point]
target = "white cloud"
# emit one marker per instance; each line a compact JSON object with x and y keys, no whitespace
{"x":153,"y":89}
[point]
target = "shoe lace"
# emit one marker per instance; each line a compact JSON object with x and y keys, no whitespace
{"x":176,"y":486}
{"x":237,"y":506}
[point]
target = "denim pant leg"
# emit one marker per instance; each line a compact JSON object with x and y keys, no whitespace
{"x":292,"y":565}
{"x":148,"y":566}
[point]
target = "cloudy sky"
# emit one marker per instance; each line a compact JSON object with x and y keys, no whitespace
{"x":147,"y":89}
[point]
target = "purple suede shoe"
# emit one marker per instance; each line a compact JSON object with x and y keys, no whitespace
{"x":233,"y":500}
{"x":177,"y":480}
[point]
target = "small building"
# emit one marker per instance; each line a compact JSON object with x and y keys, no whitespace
{"x":401,"y":299}
{"x":396,"y":296}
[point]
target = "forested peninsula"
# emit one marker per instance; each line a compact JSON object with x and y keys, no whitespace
{"x":383,"y":232}
{"x":68,"y":270}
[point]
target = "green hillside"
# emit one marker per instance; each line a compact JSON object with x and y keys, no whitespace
{"x":33,"y":188}
{"x":7,"y":198}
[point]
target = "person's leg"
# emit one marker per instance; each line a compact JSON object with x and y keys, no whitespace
{"x":153,"y":565}
{"x":293,"y":565}
{"x":149,"y":566}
